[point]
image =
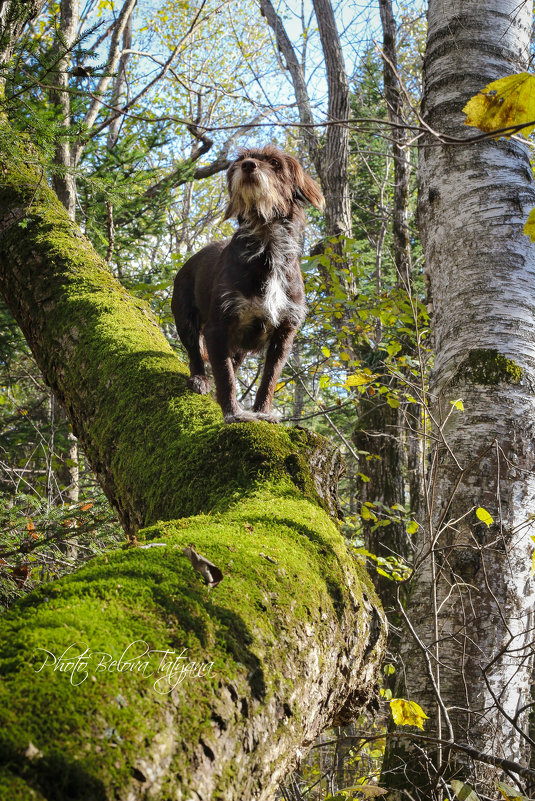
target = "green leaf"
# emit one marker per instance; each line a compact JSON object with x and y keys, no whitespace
{"x":463,"y":791}
{"x":407,"y":713}
{"x":376,"y":754}
{"x":393,"y":348}
{"x":507,"y":101}
{"x":484,"y":516}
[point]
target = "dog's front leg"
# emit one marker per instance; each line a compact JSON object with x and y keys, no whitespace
{"x":217,"y":345}
{"x":277,"y":354}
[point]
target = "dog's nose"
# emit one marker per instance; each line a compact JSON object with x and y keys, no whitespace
{"x":248,"y":165}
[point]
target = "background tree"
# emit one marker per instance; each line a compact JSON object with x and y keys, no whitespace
{"x":469,"y":654}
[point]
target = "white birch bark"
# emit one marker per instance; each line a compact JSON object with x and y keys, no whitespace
{"x":473,"y":591}
{"x":64,"y":181}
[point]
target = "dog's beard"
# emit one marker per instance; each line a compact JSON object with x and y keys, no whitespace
{"x":255,"y":195}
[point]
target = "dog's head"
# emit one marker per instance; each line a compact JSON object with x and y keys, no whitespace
{"x":266,"y":183}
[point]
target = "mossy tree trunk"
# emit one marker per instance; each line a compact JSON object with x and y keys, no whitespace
{"x":293,"y":630}
{"x":14,"y":16}
{"x":468,"y":659}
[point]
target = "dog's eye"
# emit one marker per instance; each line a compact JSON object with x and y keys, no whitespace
{"x":274,"y":163}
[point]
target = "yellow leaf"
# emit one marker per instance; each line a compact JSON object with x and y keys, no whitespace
{"x":529,"y":225}
{"x":412,"y":527}
{"x":505,"y":102}
{"x":407,"y":713}
{"x":357,"y":380}
{"x":484,"y":516}
{"x":458,"y":404}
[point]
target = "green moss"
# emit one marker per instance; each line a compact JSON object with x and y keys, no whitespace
{"x":14,"y":788}
{"x":488,"y":367}
{"x":284,"y":574}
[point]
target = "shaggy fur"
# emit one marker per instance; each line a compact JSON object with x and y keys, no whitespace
{"x":247,"y":293}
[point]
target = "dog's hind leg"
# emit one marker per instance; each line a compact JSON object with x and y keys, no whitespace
{"x":188,"y":326}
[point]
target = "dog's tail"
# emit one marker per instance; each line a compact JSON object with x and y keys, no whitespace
{"x":202,"y":347}
{"x":188,"y":321}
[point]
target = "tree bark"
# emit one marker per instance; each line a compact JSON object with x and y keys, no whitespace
{"x":472,"y":597}
{"x":119,"y":84}
{"x":14,"y":16}
{"x":380,"y":435}
{"x":335,"y":158}
{"x":331,"y":159}
{"x":394,"y":101}
{"x":298,"y":82}
{"x":114,"y":54}
{"x":294,"y":630}
{"x":381,"y":430}
{"x":64,"y":179}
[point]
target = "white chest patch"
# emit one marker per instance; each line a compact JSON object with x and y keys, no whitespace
{"x":273,"y":306}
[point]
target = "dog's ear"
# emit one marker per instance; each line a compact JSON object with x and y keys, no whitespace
{"x":312,"y":192}
{"x":229,"y":211}
{"x":306,"y":188}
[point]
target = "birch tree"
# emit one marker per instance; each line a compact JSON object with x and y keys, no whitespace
{"x":468,"y":652}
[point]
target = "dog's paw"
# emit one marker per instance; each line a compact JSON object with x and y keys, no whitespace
{"x":241,"y":416}
{"x":199,"y":384}
{"x":269,"y":417}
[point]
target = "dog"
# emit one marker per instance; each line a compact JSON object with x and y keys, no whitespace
{"x":247,"y":293}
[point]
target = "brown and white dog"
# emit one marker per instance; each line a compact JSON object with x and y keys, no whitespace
{"x":247,"y":293}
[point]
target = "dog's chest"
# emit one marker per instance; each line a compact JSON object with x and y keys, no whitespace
{"x":268,"y":291}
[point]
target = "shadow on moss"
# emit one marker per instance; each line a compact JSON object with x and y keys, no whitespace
{"x":53,"y":776}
